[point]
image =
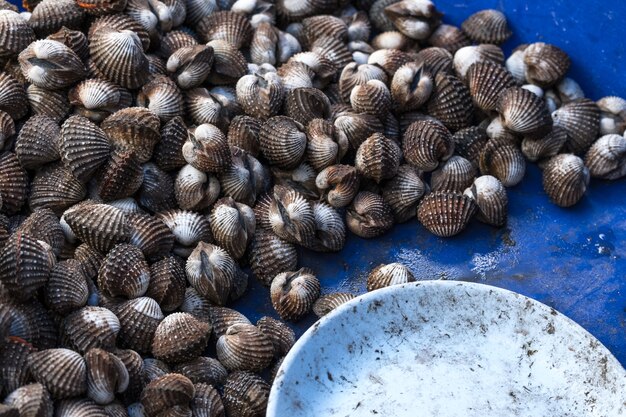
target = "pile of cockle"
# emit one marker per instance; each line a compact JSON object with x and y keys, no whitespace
{"x":152,"y":149}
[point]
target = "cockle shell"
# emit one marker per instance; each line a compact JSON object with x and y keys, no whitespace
{"x":13,"y":98}
{"x":282,"y":141}
{"x":581,"y":120}
{"x":106,"y":375}
{"x":448,"y":37}
{"x":157,"y":189}
{"x":133,"y":128}
{"x":99,"y":225}
{"x":491,"y":199}
{"x":487,"y":26}
{"x":228,"y":65}
{"x":411,"y":86}
{"x":354,"y":74}
{"x":233,"y":226}
{"x":328,"y":302}
{"x":357,"y":127}
{"x":190,"y":65}
{"x":139,"y":319}
{"x":486,"y":82}
{"x":7,"y":128}
{"x":324,"y":146}
{"x":66,"y":289}
{"x":79,"y":407}
{"x":180,"y":337}
{"x":372,"y":97}
{"x":613,"y":115}
{"x":450,"y":102}
{"x":51,"y":103}
{"x":203,"y":370}
{"x":50,"y":15}
{"x":270,"y":255}
{"x":403,"y":192}
{"x":503,"y":160}
{"x":340,"y":183}
{"x":207,"y":149}
{"x":416,"y":19}
{"x":281,"y":335}
{"x":304,"y":104}
{"x":523,"y":112}
{"x":245,"y":178}
{"x":469,"y":143}
{"x":32,"y":400}
{"x":96,"y":99}
{"x":245,"y":394}
{"x":290,"y":215}
{"x":211,"y":271}
{"x":546,"y":64}
{"x":465,"y":57}
{"x":168,"y":153}
{"x":188,"y":227}
{"x":391,"y":40}
{"x":91,"y":327}
{"x":301,"y":179}
{"x":293,"y":293}
{"x":206,"y":402}
{"x":260,"y":96}
{"x":426,"y":143}
{"x":565,"y":179}
{"x":456,"y":174}
{"x":378,"y":158}
{"x":264,"y":44}
{"x":120,"y":177}
{"x":44,"y":226}
{"x":369,"y":215}
{"x":14,"y":370}
{"x":539,"y":148}
{"x":167,"y":283}
{"x":102,"y":7}
{"x":162,"y":97}
{"x":62,"y":371}
{"x":124,"y":272}
{"x":204,"y":107}
{"x":226,"y":25}
{"x":153,"y":369}
{"x":243,"y":133}
{"x":606,"y":158}
{"x":13,"y":183}
{"x":194,"y":189}
{"x":120,"y":22}
{"x":244,"y":348}
{"x":389,"y":274}
{"x":17,"y":34}
{"x":38,"y":142}
{"x":445,"y":213}
{"x":168,"y":391}
{"x":50,"y":64}
{"x":330,"y":231}
{"x":24,"y":266}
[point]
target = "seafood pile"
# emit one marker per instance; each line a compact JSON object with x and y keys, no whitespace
{"x":154,"y":152}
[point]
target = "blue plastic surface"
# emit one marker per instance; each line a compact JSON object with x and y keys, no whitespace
{"x":571,"y":259}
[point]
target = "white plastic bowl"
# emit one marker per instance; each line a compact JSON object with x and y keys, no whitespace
{"x":447,"y":348}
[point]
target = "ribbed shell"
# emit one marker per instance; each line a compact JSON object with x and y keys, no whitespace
{"x":504,"y":161}
{"x":606,"y":158}
{"x":73,"y":39}
{"x":38,"y":142}
{"x":378,"y":158}
{"x":14,"y":371}
{"x":139,"y":319}
{"x":168,"y":153}
{"x":50,"y":64}
{"x":203,"y":370}
{"x":153,"y":369}
{"x":32,"y":400}
{"x":565,"y":179}
{"x":62,"y":371}
{"x":119,"y":56}
{"x":243,"y":132}
{"x":13,"y":183}
{"x":426,"y":143}
{"x":411,"y":86}
{"x":416,"y":20}
{"x":450,"y":102}
{"x":228,"y":64}
{"x":51,"y":103}
{"x":545,"y":147}
{"x":106,"y":375}
{"x":487,"y":26}
{"x":264,"y":44}
{"x":96,"y":99}
{"x":339,"y":183}
{"x":16,"y":34}
{"x":305,"y":104}
{"x":204,"y":107}
{"x":486,"y":82}
{"x":581,"y":120}
{"x":51,"y":15}
{"x":91,"y":327}
{"x":354,"y":74}
{"x":133,"y":128}
{"x":84,"y":147}
{"x":66,"y":289}
{"x":167,"y":283}
{"x":613,"y":115}
{"x":545,"y":64}
{"x":324,"y":146}
{"x":226,"y":26}
{"x":180,"y":338}
{"x":190,"y":65}
{"x":456,"y":174}
{"x":491,"y":199}
{"x":446,"y":214}
{"x":31,"y":323}
{"x":102,"y":7}
{"x":174,"y":40}
{"x":7,"y":128}
{"x":357,"y":127}
{"x":188,"y":227}
{"x":245,"y":394}
{"x":391,"y":40}
{"x":99,"y":225}
{"x":328,"y":302}
{"x":206,"y":402}
{"x":79,"y":407}
{"x":436,"y":59}
{"x":523,"y":112}
{"x":330,"y":231}
{"x":24,"y":266}
{"x":233,"y":226}
{"x":372,"y":97}
{"x":281,"y":335}
{"x":390,"y":274}
{"x":121,"y":22}
{"x":13,"y":98}
{"x":293,"y":293}
{"x":120,"y":177}
{"x":166,"y":392}
{"x":244,"y":348}
{"x":369,"y":215}
{"x":157,"y":190}
{"x":44,"y":225}
{"x":162,"y":97}
{"x":448,"y":37}
{"x":211,"y":271}
{"x":282,"y":141}
{"x":465,"y":57}
{"x":260,"y":96}
{"x":124,"y":272}
{"x":403,"y":193}
{"x":270,"y":255}
{"x":469,"y":143}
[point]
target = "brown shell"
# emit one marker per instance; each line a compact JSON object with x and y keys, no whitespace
{"x":133,"y":128}
{"x":403,"y":193}
{"x":270,"y":255}
{"x":613,"y":115}
{"x":369,"y":215}
{"x":437,"y":59}
{"x":260,"y":95}
{"x":99,"y":225}
{"x":535,"y":149}
{"x":372,"y":97}
{"x":245,"y":394}
{"x":354,"y":74}
{"x":487,"y":26}
{"x":293,"y":293}
{"x":162,"y":97}
{"x":97,"y":99}
{"x":174,"y":40}
{"x":204,"y":107}
{"x":390,"y":274}
{"x":486,"y":82}
{"x":66,"y":290}
{"x":333,"y":50}
{"x":38,"y":142}
{"x":207,"y":402}
{"x":282,"y":141}
{"x":416,"y":20}
{"x":51,"y":103}
{"x":14,"y":370}
{"x":211,"y":271}
{"x":157,"y":189}
{"x":391,"y":40}
{"x":467,"y":56}
{"x":546,"y":64}
{"x":119,"y":56}
{"x":222,"y":318}
{"x":328,"y":302}
{"x":446,"y":214}
{"x":29,"y":400}
{"x":124,"y":272}
{"x":188,"y":228}
{"x":426,"y":143}
{"x":121,"y":22}
{"x":203,"y":370}
{"x":301,"y":179}
{"x":7,"y":128}
{"x":134,"y":365}
{"x":79,"y":407}
{"x":469,"y":143}
{"x":91,"y":327}
{"x":13,"y":183}
{"x":325,"y":147}
{"x":226,"y":26}
{"x":411,"y":86}
{"x":281,"y":335}
{"x":305,"y":104}
{"x":73,"y":39}
{"x":456,"y":174}
{"x":139,"y":319}
{"x":102,"y":7}
{"x":339,"y":183}
{"x":523,"y":112}
{"x":89,"y":259}
{"x":228,"y":64}
{"x":244,"y":348}
{"x":581,"y":120}
{"x":264,"y":44}
{"x":448,"y":37}
{"x":378,"y":158}
{"x":245,"y":178}
{"x":16,"y":34}
{"x":450,"y":102}
{"x":44,"y":225}
{"x":13,"y":98}
{"x":357,"y":127}
{"x":565,"y":179}
{"x":84,"y":147}
{"x":180,"y":337}
{"x":168,"y":153}
{"x":504,"y":161}
{"x":51,"y":15}
{"x":491,"y":199}
{"x":290,"y":215}
{"x":24,"y":266}
{"x":62,"y":371}
{"x":106,"y":375}
{"x":233,"y":226}
{"x":243,"y":132}
{"x":606,"y":158}
{"x":190,"y":65}
{"x":165,"y":392}
{"x":120,"y":177}
{"x":50,"y":64}
{"x":167,"y":283}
